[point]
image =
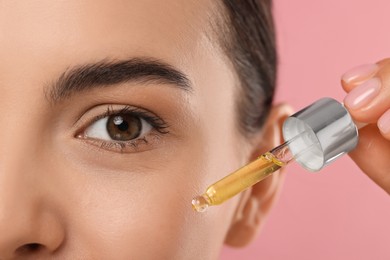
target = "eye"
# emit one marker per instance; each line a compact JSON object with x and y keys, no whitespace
{"x":118,"y":127}
{"x":124,"y":129}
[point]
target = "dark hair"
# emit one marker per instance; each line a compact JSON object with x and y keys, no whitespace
{"x":250,"y":45}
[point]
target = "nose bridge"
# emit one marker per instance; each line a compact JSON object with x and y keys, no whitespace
{"x":19,"y":175}
{"x":19,"y":149}
{"x":20,"y":120}
{"x":26,"y":216}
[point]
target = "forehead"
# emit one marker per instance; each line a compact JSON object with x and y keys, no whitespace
{"x":73,"y":30}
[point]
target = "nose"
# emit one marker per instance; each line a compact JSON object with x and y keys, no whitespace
{"x":29,"y":227}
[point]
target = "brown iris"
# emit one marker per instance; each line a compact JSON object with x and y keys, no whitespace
{"x":124,"y":127}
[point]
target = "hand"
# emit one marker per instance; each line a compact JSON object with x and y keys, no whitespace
{"x":368,"y":101}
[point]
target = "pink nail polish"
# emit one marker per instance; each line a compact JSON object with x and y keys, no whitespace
{"x":384,"y":122}
{"x":363,"y":94}
{"x":360,"y":73}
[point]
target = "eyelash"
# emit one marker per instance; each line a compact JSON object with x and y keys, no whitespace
{"x":160,"y":127}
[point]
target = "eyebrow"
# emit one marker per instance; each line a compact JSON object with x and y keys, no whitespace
{"x":108,"y":73}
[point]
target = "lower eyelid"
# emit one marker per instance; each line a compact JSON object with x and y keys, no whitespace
{"x":136,"y":145}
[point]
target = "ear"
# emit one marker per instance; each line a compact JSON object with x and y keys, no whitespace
{"x":255,"y":203}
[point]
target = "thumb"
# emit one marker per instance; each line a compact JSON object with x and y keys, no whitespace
{"x":375,"y":164}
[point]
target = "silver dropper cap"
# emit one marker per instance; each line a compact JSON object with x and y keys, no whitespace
{"x":325,"y":132}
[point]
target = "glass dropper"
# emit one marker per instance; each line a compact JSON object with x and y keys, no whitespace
{"x":248,"y":175}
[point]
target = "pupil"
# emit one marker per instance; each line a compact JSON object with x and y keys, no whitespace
{"x":124,"y":127}
{"x":120,"y":123}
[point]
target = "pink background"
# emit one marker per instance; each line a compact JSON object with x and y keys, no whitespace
{"x":338,"y":213}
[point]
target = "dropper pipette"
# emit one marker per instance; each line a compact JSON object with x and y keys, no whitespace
{"x":247,"y":176}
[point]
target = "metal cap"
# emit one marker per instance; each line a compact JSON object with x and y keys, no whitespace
{"x":325,"y":132}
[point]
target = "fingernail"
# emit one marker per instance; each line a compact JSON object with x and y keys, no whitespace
{"x":363,"y":94}
{"x":384,"y":122}
{"x":360,"y":73}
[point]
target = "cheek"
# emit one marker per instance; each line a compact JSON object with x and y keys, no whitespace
{"x":128,"y":213}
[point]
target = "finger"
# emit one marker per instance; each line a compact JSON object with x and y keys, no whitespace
{"x":372,"y":156}
{"x":358,"y":75}
{"x":370,"y":100}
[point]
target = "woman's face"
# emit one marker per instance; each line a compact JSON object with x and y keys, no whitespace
{"x":114,"y":115}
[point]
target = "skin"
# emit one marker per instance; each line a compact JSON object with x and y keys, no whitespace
{"x":76,"y":200}
{"x":373,"y":151}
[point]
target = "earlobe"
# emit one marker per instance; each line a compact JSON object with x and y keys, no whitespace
{"x":256,"y":202}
